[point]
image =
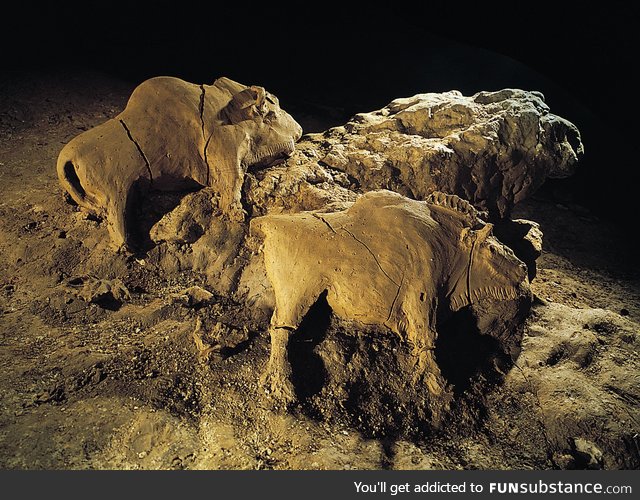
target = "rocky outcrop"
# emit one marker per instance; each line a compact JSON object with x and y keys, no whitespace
{"x":493,"y":149}
{"x":198,"y":235}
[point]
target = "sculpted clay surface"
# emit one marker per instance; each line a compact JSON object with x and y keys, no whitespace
{"x":172,"y":135}
{"x":392,"y":262}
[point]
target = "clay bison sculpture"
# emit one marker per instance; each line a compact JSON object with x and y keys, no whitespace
{"x":171,"y":135}
{"x":394,"y":262}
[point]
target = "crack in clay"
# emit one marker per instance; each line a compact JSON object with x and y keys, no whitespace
{"x":144,"y":157}
{"x":326,"y":222}
{"x":395,"y":299}
{"x":206,"y":159}
{"x":284,"y":327}
{"x":371,"y":253}
{"x":206,"y":144}
{"x":473,"y":246}
{"x":201,"y":107}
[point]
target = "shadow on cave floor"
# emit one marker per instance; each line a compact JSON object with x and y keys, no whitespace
{"x":464,"y":354}
{"x":308,"y":371}
{"x":147,"y":209}
{"x":584,"y":240}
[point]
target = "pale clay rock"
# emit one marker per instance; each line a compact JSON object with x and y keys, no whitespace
{"x":194,"y":296}
{"x":493,"y":149}
{"x":587,"y":453}
{"x":103,"y":292}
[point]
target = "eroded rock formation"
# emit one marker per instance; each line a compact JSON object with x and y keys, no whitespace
{"x":493,"y":149}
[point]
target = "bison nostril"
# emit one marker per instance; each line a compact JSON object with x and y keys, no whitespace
{"x":74,"y":181}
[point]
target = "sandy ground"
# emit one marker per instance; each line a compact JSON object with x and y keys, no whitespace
{"x":87,"y":385}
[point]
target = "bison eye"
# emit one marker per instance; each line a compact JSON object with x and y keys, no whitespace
{"x":258,"y":110}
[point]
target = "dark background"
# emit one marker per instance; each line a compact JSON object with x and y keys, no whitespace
{"x":331,"y":61}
